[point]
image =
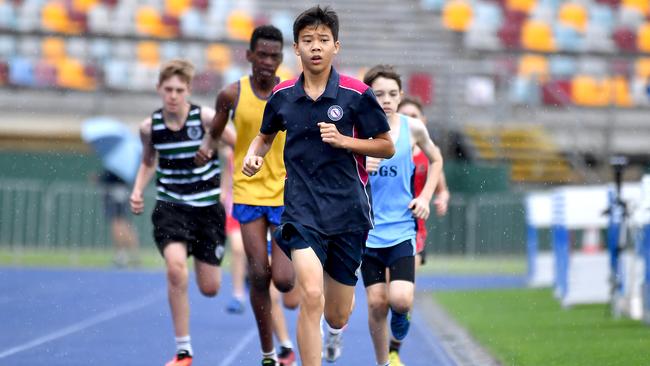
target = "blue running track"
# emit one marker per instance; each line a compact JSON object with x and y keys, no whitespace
{"x":107,"y":318}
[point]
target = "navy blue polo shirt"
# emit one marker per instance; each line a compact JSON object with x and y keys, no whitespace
{"x":326,"y":188}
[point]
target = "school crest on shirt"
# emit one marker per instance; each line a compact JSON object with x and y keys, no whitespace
{"x":335,"y":112}
{"x":194,"y":132}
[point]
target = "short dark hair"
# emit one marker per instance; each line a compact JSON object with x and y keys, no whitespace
{"x":411,"y":100}
{"x":267,"y":32}
{"x":382,"y":71}
{"x":316,"y":16}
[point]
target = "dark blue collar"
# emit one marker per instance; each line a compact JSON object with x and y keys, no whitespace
{"x":331,"y":90}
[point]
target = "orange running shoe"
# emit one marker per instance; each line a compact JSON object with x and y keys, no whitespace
{"x":182,"y":358}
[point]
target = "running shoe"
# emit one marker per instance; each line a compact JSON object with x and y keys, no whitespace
{"x":182,"y":358}
{"x":393,"y":358}
{"x":235,"y":306}
{"x":269,"y":362}
{"x":399,"y":324}
{"x":333,"y":346}
{"x":287,"y":357}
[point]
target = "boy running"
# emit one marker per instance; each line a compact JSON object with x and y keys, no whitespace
{"x":188,"y":218}
{"x":390,"y":248}
{"x":258,"y":201}
{"x":411,"y":107}
{"x":331,"y":121}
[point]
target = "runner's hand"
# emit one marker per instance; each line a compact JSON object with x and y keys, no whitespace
{"x":331,"y":135}
{"x":252,"y":165}
{"x":420,"y":208}
{"x":441,"y":202}
{"x":203,"y":155}
{"x":137,"y":202}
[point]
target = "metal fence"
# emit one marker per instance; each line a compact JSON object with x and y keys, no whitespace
{"x":71,"y":216}
{"x":58,"y":215}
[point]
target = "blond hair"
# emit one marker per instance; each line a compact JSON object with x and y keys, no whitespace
{"x":179,"y":67}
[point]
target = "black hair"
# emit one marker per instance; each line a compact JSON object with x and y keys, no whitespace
{"x":315,"y":16}
{"x":382,"y":71}
{"x":267,"y":32}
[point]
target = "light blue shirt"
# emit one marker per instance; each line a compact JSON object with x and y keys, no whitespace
{"x":392,"y":191}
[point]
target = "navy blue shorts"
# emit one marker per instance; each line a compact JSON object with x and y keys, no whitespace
{"x":400,"y":259}
{"x":248,"y":213}
{"x":340,"y":255}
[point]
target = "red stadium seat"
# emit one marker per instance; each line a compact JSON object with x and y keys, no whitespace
{"x":421,"y":85}
{"x":557,"y":93}
{"x":510,"y":35}
{"x":625,"y":39}
{"x":4,"y":72}
{"x":201,"y":4}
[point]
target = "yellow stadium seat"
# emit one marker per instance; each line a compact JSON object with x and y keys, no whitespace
{"x":534,"y":65}
{"x":573,"y":15}
{"x":54,"y":17}
{"x":53,"y":49}
{"x":643,"y":68}
{"x":521,"y":5}
{"x":537,"y":36}
{"x":642,"y":6}
{"x":148,"y":21}
{"x":148,"y":53}
{"x":83,"y":5}
{"x":71,"y":75}
{"x":585,"y":91}
{"x":643,"y":38}
{"x":620,"y":87}
{"x":457,"y":15}
{"x":240,"y":25}
{"x":219,"y":57}
{"x":177,"y":7}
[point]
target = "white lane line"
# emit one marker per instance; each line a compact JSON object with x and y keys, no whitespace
{"x":240,"y":347}
{"x":123,"y":309}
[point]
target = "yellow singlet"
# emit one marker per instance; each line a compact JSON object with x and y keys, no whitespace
{"x":266,"y":188}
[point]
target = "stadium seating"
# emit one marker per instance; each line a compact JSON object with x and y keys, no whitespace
{"x":530,"y":151}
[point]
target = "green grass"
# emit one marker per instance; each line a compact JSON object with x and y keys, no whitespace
{"x":97,"y":258}
{"x":529,"y":328}
{"x":102,"y":258}
{"x":474,"y":265}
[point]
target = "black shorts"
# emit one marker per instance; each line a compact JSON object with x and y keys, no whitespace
{"x":201,"y":229}
{"x":399,"y":259}
{"x":340,"y":255}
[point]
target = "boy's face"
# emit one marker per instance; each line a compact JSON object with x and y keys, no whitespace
{"x":265,"y":58}
{"x":174,"y":93}
{"x":412,"y":111}
{"x":316,"y":48}
{"x":388,"y":94}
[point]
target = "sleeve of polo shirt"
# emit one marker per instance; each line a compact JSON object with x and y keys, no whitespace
{"x":370,"y":117}
{"x":272,"y":121}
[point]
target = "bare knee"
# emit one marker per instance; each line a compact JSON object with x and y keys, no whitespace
{"x":337,"y":318}
{"x":177,"y":274}
{"x":312,"y":298}
{"x":210,"y":289}
{"x":284,"y":284}
{"x":378,"y":307}
{"x":401,"y":304}
{"x":290,"y":301}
